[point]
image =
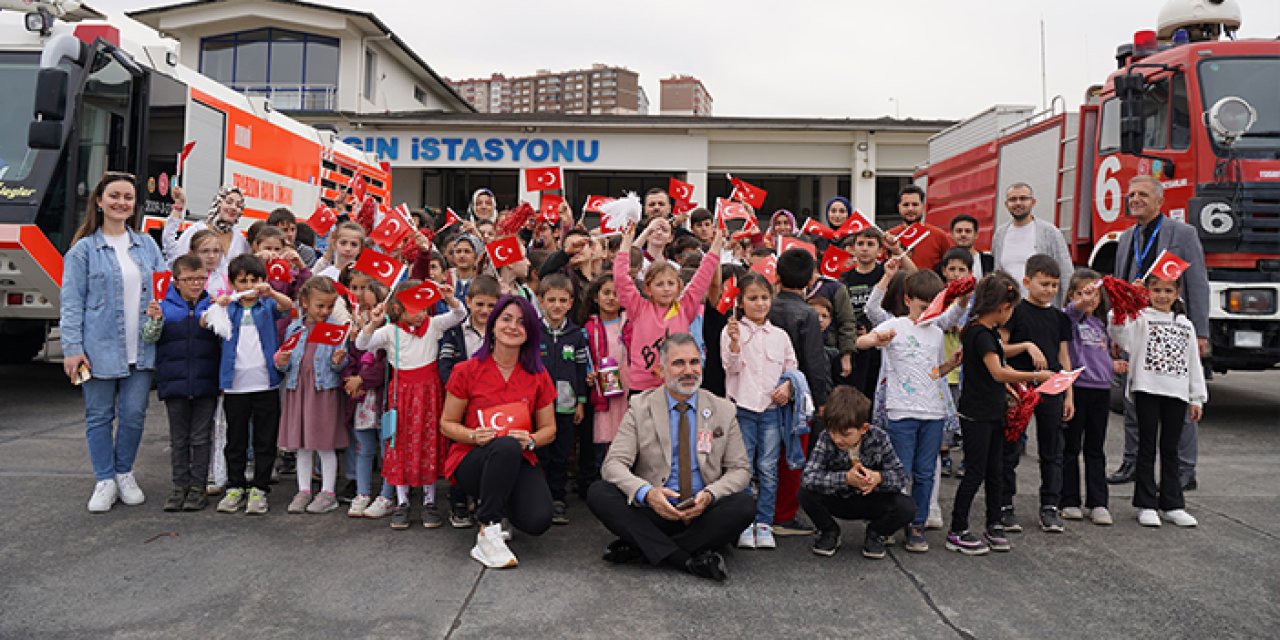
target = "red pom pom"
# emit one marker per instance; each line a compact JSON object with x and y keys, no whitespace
{"x":957,"y":288}
{"x":409,"y":248}
{"x":515,"y":221}
{"x":1126,"y":300}
{"x":1019,"y":415}
{"x":365,"y":216}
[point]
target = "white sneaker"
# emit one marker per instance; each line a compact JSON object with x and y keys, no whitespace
{"x":1148,"y":518}
{"x":130,"y":492}
{"x":764,"y":536}
{"x":1100,"y":516}
{"x":747,"y":539}
{"x":358,"y":505}
{"x":1072,"y":513}
{"x":506,"y":531}
{"x":934,"y":521}
{"x":379,"y":508}
{"x":1179,"y":517}
{"x":104,"y":495}
{"x":491,"y":550}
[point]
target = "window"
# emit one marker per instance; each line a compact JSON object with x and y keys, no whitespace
{"x":1180,"y":120}
{"x":295,"y":70}
{"x":420,"y":95}
{"x":1155,"y":115}
{"x":370,"y":73}
{"x":1109,"y":131}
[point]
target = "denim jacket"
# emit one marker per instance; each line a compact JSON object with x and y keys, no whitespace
{"x":328,"y":375}
{"x":92,"y":301}
{"x":264,"y":314}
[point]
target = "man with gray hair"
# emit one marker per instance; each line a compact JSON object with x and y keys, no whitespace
{"x":673,"y":481}
{"x":1025,"y":236}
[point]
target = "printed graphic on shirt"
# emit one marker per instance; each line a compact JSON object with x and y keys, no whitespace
{"x":1091,"y":337}
{"x":1167,"y":349}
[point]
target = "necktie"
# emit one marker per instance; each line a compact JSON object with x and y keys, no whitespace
{"x":682,"y":450}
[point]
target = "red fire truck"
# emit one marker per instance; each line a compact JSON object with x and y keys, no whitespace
{"x":1200,"y":113}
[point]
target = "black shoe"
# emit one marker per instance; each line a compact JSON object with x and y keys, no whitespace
{"x":828,"y":542}
{"x":946,"y":466}
{"x":559,"y":513}
{"x":1123,"y":475}
{"x":176,"y":498}
{"x":960,"y":469}
{"x":460,"y":516}
{"x":287,"y":463}
{"x":622,"y":552}
{"x":796,"y":526}
{"x":348,"y":492}
{"x":873,"y":545}
{"x":196,"y":499}
{"x":431,"y":518}
{"x":1190,"y":485}
{"x":1050,"y":521}
{"x":996,"y":538}
{"x":1009,"y":521}
{"x":709,"y":565}
{"x":400,"y":517}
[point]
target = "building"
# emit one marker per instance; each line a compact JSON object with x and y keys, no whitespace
{"x":599,"y":90}
{"x":684,"y":96}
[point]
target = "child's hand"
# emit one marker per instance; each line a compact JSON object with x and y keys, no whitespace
{"x":353,"y":385}
{"x":222,"y":300}
{"x":579,"y":414}
{"x":446,"y":292}
{"x":883,"y":338}
{"x":294,"y":259}
{"x":891,"y":267}
{"x":1120,"y":366}
{"x":266,"y":256}
{"x":376,"y":317}
{"x":846,"y":364}
{"x":282,"y":358}
{"x":263,"y":290}
{"x":591,"y":378}
{"x":1197,"y":412}
{"x":153,"y":311}
{"x":179,"y":203}
{"x":956,"y":359}
{"x":892,"y":246}
{"x":734,"y":332}
{"x":339,"y":356}
{"x":1068,"y":410}
{"x":782,"y":394}
{"x":1037,"y":358}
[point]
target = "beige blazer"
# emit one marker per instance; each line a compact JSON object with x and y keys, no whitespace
{"x":641,"y":452}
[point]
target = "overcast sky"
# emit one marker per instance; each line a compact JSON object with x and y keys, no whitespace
{"x":828,"y":58}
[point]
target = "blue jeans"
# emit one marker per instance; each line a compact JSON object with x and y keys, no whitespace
{"x":917,"y":443}
{"x":366,"y":445}
{"x":105,"y":401}
{"x":762,"y":435}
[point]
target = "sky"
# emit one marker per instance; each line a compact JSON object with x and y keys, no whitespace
{"x":930,"y":59}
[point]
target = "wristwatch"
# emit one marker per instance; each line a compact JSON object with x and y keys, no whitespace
{"x":531,"y":444}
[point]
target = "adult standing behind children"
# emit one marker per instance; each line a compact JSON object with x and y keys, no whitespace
{"x":911,"y":208}
{"x":223,"y":215}
{"x":1025,"y":236}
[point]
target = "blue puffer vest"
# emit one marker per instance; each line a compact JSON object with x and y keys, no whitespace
{"x":187,"y":356}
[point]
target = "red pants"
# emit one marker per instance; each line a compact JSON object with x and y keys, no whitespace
{"x":788,"y":486}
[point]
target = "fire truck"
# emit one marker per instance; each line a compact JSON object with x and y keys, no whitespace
{"x":88,"y":92}
{"x":1197,"y":110}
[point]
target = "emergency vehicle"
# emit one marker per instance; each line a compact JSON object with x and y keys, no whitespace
{"x":86,"y":93}
{"x":1200,"y":113}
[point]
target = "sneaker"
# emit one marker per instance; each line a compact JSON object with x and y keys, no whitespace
{"x":379,"y":508}
{"x":231,"y":502}
{"x":214,"y":489}
{"x":348,"y":492}
{"x":299,"y":502}
{"x":1072,"y":513}
{"x":324,"y":502}
{"x":1100,"y":516}
{"x":1050,"y":521}
{"x":431,"y":518}
{"x":257,"y":504}
{"x":967,"y":543}
{"x":460,"y":516}
{"x":826,"y":544}
{"x":707,"y":564}
{"x":1179,"y":517}
{"x":196,"y":499}
{"x":959,"y":472}
{"x":130,"y":492}
{"x":916,"y":542}
{"x":491,"y":550}
{"x":796,"y":526}
{"x":873,"y":545}
{"x":506,"y":531}
{"x":934,"y":521}
{"x":176,"y":498}
{"x":559,"y":513}
{"x":996,"y":539}
{"x":400,"y":517}
{"x":747,"y":539}
{"x":104,"y":495}
{"x":764,"y":537}
{"x":946,"y":466}
{"x":1009,"y":521}
{"x":1124,"y":474}
{"x":358,"y":505}
{"x":1148,"y":518}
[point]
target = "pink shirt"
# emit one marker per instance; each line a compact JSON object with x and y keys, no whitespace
{"x":764,"y":353}
{"x":649,"y":324}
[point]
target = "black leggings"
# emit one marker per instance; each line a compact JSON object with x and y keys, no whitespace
{"x":1160,"y":423}
{"x":983,"y":443}
{"x":505,"y":485}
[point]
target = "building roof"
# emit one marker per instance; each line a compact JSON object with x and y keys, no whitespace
{"x":654,"y":122}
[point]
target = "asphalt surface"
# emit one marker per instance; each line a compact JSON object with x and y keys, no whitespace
{"x":140,"y":572}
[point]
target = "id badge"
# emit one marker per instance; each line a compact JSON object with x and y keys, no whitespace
{"x":704,"y":441}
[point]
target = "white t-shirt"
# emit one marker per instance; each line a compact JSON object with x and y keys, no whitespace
{"x":1019,"y":244}
{"x":132,"y":280}
{"x":909,"y":360}
{"x":251,"y":365}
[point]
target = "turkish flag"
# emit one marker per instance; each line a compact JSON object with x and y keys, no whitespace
{"x":730,"y":210}
{"x":419,"y":298}
{"x":291,"y":342}
{"x":749,"y":230}
{"x":380,"y":267}
{"x":680,"y":190}
{"x":935,"y":308}
{"x":160,"y":284}
{"x":1059,"y":382}
{"x":345,"y":292}
{"x":594,"y":203}
{"x":278,"y":269}
{"x":912,"y":235}
{"x":747,"y":192}
{"x":788,"y":242}
{"x":549,"y":212}
{"x":1167,"y":267}
{"x":184,"y":154}
{"x":450,"y":218}
{"x":835,"y":261}
{"x":328,"y":333}
{"x":357,"y":187}
{"x":505,"y":418}
{"x":857,"y":222}
{"x":682,"y":207}
{"x":606,"y":230}
{"x":505,"y":251}
{"x":729,"y":297}
{"x":322,"y":220}
{"x":767,"y":267}
{"x":391,"y":230}
{"x":815,"y":228}
{"x":543,"y":179}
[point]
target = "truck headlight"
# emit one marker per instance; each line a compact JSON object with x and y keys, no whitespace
{"x":1251,"y":301}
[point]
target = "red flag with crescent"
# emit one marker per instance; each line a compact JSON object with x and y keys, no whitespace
{"x":746,"y":192}
{"x":322,"y":220}
{"x":419,"y":298}
{"x":327,"y":333}
{"x":505,"y":418}
{"x":680,"y":207}
{"x":767,"y":267}
{"x":345,"y":292}
{"x":912,"y":235}
{"x":1059,"y":382}
{"x":815,"y":228}
{"x":549,"y":211}
{"x":450,"y":218}
{"x":160,"y":284}
{"x":679,"y":190}
{"x":594,"y":203}
{"x":1167,"y":267}
{"x":380,"y":267}
{"x":291,"y":342}
{"x":543,"y":179}
{"x":505,"y":251}
{"x":391,"y":230}
{"x":356,"y":186}
{"x":857,"y":222}
{"x":730,"y":210}
{"x":278,"y":269}
{"x":788,"y":242}
{"x":184,"y":154}
{"x":728,"y":297}
{"x":835,"y":261}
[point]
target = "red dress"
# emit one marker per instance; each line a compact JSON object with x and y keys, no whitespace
{"x":481,"y":385}
{"x":417,"y":397}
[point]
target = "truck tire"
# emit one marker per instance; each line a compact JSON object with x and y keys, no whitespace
{"x":20,"y":347}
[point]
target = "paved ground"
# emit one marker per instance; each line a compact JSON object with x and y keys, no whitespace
{"x":140,"y":572}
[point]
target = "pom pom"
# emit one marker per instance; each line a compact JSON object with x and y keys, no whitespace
{"x":409,"y":248}
{"x":515,"y":221}
{"x":1019,"y":414}
{"x":365,"y":216}
{"x":218,"y":320}
{"x":957,"y":288}
{"x":623,"y":212}
{"x":1126,"y":300}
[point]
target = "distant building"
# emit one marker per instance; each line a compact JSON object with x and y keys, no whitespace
{"x":600,"y":90}
{"x":684,"y":96}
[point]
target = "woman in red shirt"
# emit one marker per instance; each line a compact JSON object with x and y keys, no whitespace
{"x":506,"y":386}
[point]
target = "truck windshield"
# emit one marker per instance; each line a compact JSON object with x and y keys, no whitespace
{"x":1257,"y":80}
{"x":18,"y":77}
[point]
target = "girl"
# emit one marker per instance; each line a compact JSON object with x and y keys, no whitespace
{"x":604,"y":335}
{"x":311,"y":416}
{"x":837,"y":210}
{"x":344,"y":248}
{"x":755,"y":354}
{"x":483,"y":205}
{"x":1090,"y":347}
{"x":269,"y":244}
{"x":781,"y":225}
{"x":1164,"y":376}
{"x":412,"y":343}
{"x":663,"y":310}
{"x":205,"y":245}
{"x":438,"y":270}
{"x":653,"y":243}
{"x":982,"y":411}
{"x":363,"y":382}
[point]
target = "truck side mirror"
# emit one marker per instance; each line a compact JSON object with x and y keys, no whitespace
{"x":1130,"y":88}
{"x":45,"y":131}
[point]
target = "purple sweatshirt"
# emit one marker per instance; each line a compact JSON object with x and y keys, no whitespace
{"x":1090,"y":347}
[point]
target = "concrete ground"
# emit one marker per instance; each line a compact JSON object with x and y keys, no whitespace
{"x":140,"y":572}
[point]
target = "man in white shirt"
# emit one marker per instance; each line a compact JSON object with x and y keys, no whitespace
{"x":1026,"y":236}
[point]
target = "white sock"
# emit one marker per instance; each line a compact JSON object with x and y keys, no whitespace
{"x":429,"y":495}
{"x":328,"y":470}
{"x":937,"y":482}
{"x":303,"y":470}
{"x":402,"y":493}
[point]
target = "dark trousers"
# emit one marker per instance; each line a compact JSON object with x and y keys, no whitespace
{"x":886,"y":511}
{"x":554,"y":457}
{"x":1188,"y":444}
{"x":1049,"y":444}
{"x":1086,"y":432}
{"x":1159,"y":422}
{"x":263,"y":408}
{"x":190,"y":427}
{"x":588,"y":461}
{"x":983,"y":442}
{"x":658,"y":537}
{"x":505,"y":485}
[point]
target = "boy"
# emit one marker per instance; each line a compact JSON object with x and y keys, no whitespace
{"x":186,"y":379}
{"x":844,"y":322}
{"x":564,"y":353}
{"x":284,"y":220}
{"x":702,"y":225}
{"x":250,"y":381}
{"x":464,"y":255}
{"x":1038,"y":336}
{"x":854,"y":474}
{"x":914,"y":400}
{"x":955,"y":265}
{"x":866,"y":247}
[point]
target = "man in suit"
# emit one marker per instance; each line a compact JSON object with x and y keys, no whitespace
{"x":1138,"y":247}
{"x":675,"y":499}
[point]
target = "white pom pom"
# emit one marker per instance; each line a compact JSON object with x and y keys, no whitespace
{"x":218,"y":320}
{"x":623,"y":212}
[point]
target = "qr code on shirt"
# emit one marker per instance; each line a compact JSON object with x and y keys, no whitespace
{"x":1167,"y":349}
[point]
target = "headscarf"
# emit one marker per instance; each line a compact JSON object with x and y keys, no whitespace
{"x":790,"y":216}
{"x":847,"y":207}
{"x":482,"y":191}
{"x":213,"y":221}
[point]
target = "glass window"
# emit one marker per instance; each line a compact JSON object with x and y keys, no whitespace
{"x":1109,"y":132}
{"x":251,"y":57}
{"x":1257,"y":81}
{"x":218,"y":60}
{"x":1180,"y":116}
{"x":370,"y":73}
{"x":287,"y":51}
{"x":1155,"y":115}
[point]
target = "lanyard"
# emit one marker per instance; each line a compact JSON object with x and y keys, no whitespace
{"x":1150,"y":242}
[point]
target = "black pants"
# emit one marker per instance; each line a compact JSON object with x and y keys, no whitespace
{"x":505,"y":485}
{"x":1049,"y":443}
{"x":263,"y":408}
{"x":1086,"y":432}
{"x":1160,"y":421}
{"x":554,"y":457}
{"x":886,"y":511}
{"x":983,"y":442}
{"x":588,"y":465}
{"x":658,"y":537}
{"x":190,"y":428}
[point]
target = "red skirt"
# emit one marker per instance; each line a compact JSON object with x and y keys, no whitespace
{"x":418,"y":455}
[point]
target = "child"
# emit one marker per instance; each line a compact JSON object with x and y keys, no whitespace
{"x":345,"y":244}
{"x":270,"y":244}
{"x":1091,"y":349}
{"x":363,"y":381}
{"x":412,"y":342}
{"x":604,"y":336}
{"x":755,"y":354}
{"x":1164,"y":376}
{"x":860,"y":281}
{"x":982,"y":412}
{"x":956,"y":264}
{"x":702,"y":223}
{"x":206,"y":246}
{"x":914,"y":361}
{"x":187,"y":356}
{"x":250,"y":381}
{"x":854,"y":474}
{"x":564,"y":354}
{"x":465,"y":255}
{"x":822,"y":307}
{"x":284,"y":220}
{"x":1039,"y":337}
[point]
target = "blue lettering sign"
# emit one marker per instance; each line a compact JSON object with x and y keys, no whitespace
{"x":515,"y":150}
{"x":538,"y":150}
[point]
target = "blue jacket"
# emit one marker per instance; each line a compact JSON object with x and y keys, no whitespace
{"x":328,"y":375}
{"x":264,"y":314}
{"x":795,"y":417}
{"x":92,"y":303}
{"x":187,"y":355}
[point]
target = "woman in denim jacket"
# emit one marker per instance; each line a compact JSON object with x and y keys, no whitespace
{"x":106,"y":285}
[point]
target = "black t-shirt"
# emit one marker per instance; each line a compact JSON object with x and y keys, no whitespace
{"x":981,"y":397}
{"x":1046,"y":327}
{"x":860,"y":286}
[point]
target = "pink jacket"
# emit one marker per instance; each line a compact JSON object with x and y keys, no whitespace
{"x":649,"y":326}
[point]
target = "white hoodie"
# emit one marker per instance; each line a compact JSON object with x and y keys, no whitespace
{"x":1164,"y":357}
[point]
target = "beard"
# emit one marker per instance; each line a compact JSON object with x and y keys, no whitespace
{"x":685,"y":385}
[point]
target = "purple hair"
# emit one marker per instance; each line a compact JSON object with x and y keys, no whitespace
{"x":530,"y":351}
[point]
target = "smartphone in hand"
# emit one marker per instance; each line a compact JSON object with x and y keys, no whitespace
{"x":685,"y":504}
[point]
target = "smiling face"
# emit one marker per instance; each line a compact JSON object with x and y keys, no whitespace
{"x":911,"y":208}
{"x":682,"y":369}
{"x":508,"y":329}
{"x":210,"y":252}
{"x":117,"y":201}
{"x":319,"y":306}
{"x":607,"y":299}
{"x":663,"y":287}
{"x":837,"y":214}
{"x":661,"y":233}
{"x":782,"y":226}
{"x":1163,"y":293}
{"x":190,"y":283}
{"x":1144,"y":201}
{"x":485,"y":206}
{"x":231,"y":207}
{"x":480,"y":306}
{"x":1019,"y":202}
{"x":1041,"y":288}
